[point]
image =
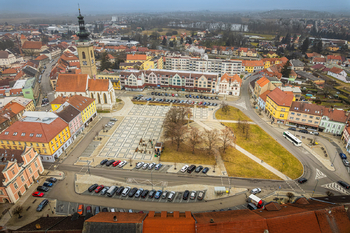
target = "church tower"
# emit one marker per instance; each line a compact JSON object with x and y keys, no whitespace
{"x":85,"y":50}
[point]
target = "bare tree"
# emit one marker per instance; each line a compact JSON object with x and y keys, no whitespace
{"x":17,"y":210}
{"x":174,"y":124}
{"x":179,"y":132}
{"x":244,"y":126}
{"x":194,"y":137}
{"x":226,"y":138}
{"x":290,"y":196}
{"x":224,"y":107}
{"x":210,"y":139}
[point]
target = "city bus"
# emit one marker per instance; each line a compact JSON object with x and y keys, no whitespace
{"x":290,"y":137}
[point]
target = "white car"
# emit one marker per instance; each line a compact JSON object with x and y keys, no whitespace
{"x":193,"y":195}
{"x":145,"y":166}
{"x":184,"y":168}
{"x":255,"y":191}
{"x":122,"y":164}
{"x":112,"y":210}
{"x":139,"y":165}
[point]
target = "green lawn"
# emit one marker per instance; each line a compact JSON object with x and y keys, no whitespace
{"x":267,"y":149}
{"x":239,"y":165}
{"x":184,"y":155}
{"x":234,"y":114}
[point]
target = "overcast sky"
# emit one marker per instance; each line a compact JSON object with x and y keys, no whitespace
{"x":113,"y":6}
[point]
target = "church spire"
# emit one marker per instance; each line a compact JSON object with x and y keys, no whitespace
{"x":83,"y":34}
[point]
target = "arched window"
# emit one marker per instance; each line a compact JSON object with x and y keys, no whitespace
{"x":105,"y":97}
{"x":99,"y":99}
{"x":83,"y":55}
{"x":92,"y":96}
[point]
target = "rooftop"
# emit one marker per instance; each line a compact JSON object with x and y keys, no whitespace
{"x":281,"y":98}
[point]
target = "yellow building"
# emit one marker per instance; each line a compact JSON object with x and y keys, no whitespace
{"x":278,"y":104}
{"x":268,"y":62}
{"x":127,"y":66}
{"x":48,"y":134}
{"x":272,"y":54}
{"x":113,"y":77}
{"x":333,"y":48}
{"x":150,"y":64}
{"x":134,"y":58}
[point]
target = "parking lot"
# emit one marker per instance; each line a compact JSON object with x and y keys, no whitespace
{"x":177,"y":199}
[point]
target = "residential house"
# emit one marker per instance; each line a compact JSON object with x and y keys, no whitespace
{"x":80,"y":84}
{"x":318,"y":60}
{"x":44,"y":131}
{"x":334,"y":121}
{"x":230,"y":85}
{"x":278,"y":104}
{"x":262,"y":100}
{"x":268,"y":62}
{"x":113,"y":77}
{"x":133,"y":58}
{"x":346,"y":138}
{"x":43,"y":59}
{"x":7,"y":58}
{"x":19,"y":169}
{"x":33,"y":48}
{"x":334,"y":59}
{"x":72,"y":117}
{"x":339,"y":74}
{"x":303,"y":114}
{"x":247,"y":52}
{"x":295,"y":90}
{"x":252,"y":66}
{"x":31,"y":90}
{"x":297,"y":64}
{"x":129,"y":65}
{"x":272,"y":54}
{"x":86,"y":106}
{"x":262,"y":85}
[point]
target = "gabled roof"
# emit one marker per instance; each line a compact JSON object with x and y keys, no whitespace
{"x":264,"y":95}
{"x":319,"y":59}
{"x":33,"y":131}
{"x":41,"y":57}
{"x":32,"y":45}
{"x":336,"y":115}
{"x":136,"y":57}
{"x":262,"y":81}
{"x":334,"y":57}
{"x":4,"y":54}
{"x":80,"y":102}
{"x":14,"y":107}
{"x":68,"y":113}
{"x":233,"y":78}
{"x":335,"y":70}
{"x":281,"y":98}
{"x":71,"y":83}
{"x":9,"y":71}
{"x":98,"y":84}
{"x":252,"y":63}
{"x":59,"y":100}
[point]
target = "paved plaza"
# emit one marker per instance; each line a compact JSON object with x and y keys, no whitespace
{"x":142,"y":123}
{"x":200,"y":113}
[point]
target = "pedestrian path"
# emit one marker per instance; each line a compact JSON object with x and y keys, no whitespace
{"x":229,"y":121}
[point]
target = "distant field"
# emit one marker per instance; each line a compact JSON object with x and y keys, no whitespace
{"x":165,"y":30}
{"x":265,"y":36}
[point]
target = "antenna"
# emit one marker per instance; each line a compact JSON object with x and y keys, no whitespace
{"x":79,"y":8}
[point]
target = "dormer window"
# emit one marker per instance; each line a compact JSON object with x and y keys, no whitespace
{"x":31,"y":135}
{"x":23,"y":134}
{"x":39,"y":135}
{"x":6,"y":133}
{"x":15,"y":133}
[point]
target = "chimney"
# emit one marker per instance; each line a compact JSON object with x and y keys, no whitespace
{"x":151,"y":214}
{"x":211,"y":220}
{"x":163,"y":214}
{"x":176,"y":214}
{"x":115,"y":218}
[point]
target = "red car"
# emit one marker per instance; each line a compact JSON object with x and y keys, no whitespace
{"x":116,"y":163}
{"x":37,"y":194}
{"x":173,"y":95}
{"x":99,"y":188}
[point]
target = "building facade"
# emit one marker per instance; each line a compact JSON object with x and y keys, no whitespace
{"x":230,"y":85}
{"x":334,"y":121}
{"x":278,"y":104}
{"x":346,"y":138}
{"x":306,"y":115}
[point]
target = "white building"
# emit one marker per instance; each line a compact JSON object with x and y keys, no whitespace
{"x":230,"y":85}
{"x":339,"y":74}
{"x":6,"y":58}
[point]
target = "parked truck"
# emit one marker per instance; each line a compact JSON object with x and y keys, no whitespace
{"x":256,"y":201}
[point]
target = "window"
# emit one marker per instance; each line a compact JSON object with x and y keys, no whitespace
{"x":83,"y":55}
{"x":15,"y":185}
{"x":298,"y":114}
{"x":15,"y":133}
{"x":317,"y":118}
{"x":23,"y":134}
{"x":305,"y":115}
{"x":30,"y":170}
{"x":333,"y":126}
{"x":84,"y":63}
{"x":293,"y":113}
{"x":39,"y":135}
{"x":6,"y":133}
{"x":36,"y":164}
{"x":57,"y":145}
{"x":22,"y":179}
{"x":1,"y":193}
{"x":310,"y":121}
{"x":316,"y":122}
{"x":291,"y":118}
{"x":43,"y":145}
{"x":303,"y":120}
{"x":311,"y":117}
{"x":281,"y":115}
{"x":31,"y":135}
{"x":13,"y":171}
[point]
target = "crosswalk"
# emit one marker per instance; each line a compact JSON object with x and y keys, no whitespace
{"x":335,"y":187}
{"x":319,"y":175}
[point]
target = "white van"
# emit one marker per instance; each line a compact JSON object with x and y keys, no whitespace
{"x":126,"y":191}
{"x":112,"y":190}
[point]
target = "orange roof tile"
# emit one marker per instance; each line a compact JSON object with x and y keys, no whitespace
{"x":169,"y":222}
{"x":32,"y":45}
{"x":263,"y":81}
{"x":280,"y":97}
{"x":228,"y":78}
{"x":10,"y":71}
{"x":71,"y":83}
{"x":98,"y":84}
{"x":80,"y":102}
{"x":59,"y":100}
{"x":136,"y":57}
{"x":335,"y":70}
{"x":336,"y":115}
{"x":17,"y":91}
{"x":41,"y":57}
{"x":107,"y":217}
{"x":264,"y":95}
{"x":31,"y":131}
{"x":252,"y":63}
{"x":14,"y":107}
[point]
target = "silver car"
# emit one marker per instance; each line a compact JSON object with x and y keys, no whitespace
{"x":151,"y":166}
{"x":144,"y":167}
{"x":139,"y":165}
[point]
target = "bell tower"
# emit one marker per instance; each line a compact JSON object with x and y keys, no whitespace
{"x":85,"y":50}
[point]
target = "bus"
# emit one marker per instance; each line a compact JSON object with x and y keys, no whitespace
{"x":290,"y":137}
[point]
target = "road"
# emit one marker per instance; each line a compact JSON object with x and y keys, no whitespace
{"x":312,"y":167}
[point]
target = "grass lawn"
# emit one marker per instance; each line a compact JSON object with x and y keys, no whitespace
{"x":265,"y":36}
{"x":234,"y":114}
{"x":266,"y":148}
{"x":184,"y":155}
{"x":239,"y":165}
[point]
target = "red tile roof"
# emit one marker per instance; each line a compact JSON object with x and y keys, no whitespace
{"x":98,"y":84}
{"x":16,"y":91}
{"x":281,"y":98}
{"x":334,"y":57}
{"x":252,"y":63}
{"x":264,"y":95}
{"x":319,"y":59}
{"x":10,"y":71}
{"x":41,"y":57}
{"x":136,"y":57}
{"x":263,"y":81}
{"x":59,"y":100}
{"x":71,"y":83}
{"x":107,"y":217}
{"x":336,"y":115}
{"x":32,"y":45}
{"x":233,"y":78}
{"x":33,"y":130}
{"x":335,"y":70}
{"x":80,"y":102}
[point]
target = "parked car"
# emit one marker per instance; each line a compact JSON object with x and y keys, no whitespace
{"x":205,"y":170}
{"x":122,"y":164}
{"x":116,"y":163}
{"x":344,"y":184}
{"x":292,"y":128}
{"x":119,"y":190}
{"x":109,"y":162}
{"x":152,"y":193}
{"x":97,"y":210}
{"x":342,"y":156}
{"x":88,"y":209}
{"x":139,"y":165}
{"x":42,"y":204}
{"x":92,"y":187}
{"x":138,"y":193}
{"x":158,"y":193}
{"x":303,"y":131}
{"x":145,"y":166}
{"x":151,"y":166}
{"x":80,"y":209}
{"x":105,"y":209}
{"x":193,"y":195}
{"x":42,"y":188}
{"x":302,"y":180}
{"x":198,"y":169}
{"x":126,"y":191}
{"x":132,"y":192}
{"x":144,"y":193}
{"x":346,"y":163}
{"x":104,"y":190}
{"x":314,"y":133}
{"x":99,"y":188}
{"x":103,"y":162}
{"x":38,"y":194}
{"x":158,"y":166}
{"x":164,"y":194}
{"x":200,"y":195}
{"x":255,"y":191}
{"x":47,"y":184}
{"x":191,"y":168}
{"x":186,"y":194}
{"x":171,"y":196}
{"x":184,"y":168}
{"x":51,"y":180}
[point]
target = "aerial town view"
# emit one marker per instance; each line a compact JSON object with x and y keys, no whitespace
{"x":185,"y":116}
